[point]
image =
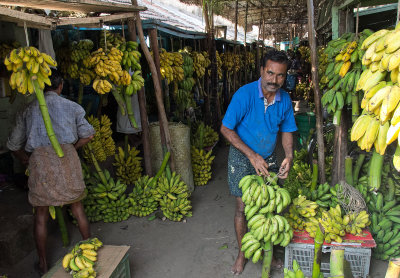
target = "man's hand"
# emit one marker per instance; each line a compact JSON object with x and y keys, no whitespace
{"x":259,"y":164}
{"x":83,"y":141}
{"x":285,"y":167}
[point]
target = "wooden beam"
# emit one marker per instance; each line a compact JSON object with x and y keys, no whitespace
{"x":95,"y":19}
{"x":317,"y":94}
{"x":17,"y":16}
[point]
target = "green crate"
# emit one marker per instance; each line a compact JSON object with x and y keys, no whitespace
{"x":122,"y":270}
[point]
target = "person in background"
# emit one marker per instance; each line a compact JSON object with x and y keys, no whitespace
{"x":257,"y":112}
{"x":53,"y":181}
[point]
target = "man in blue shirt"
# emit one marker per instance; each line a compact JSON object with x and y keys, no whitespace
{"x":257,"y":112}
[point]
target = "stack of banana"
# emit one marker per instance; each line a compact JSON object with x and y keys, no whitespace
{"x":379,"y":124}
{"x":102,"y":143}
{"x":300,"y":213}
{"x":249,"y":59}
{"x":81,"y":260}
{"x":325,"y":195}
{"x":128,"y":166}
{"x":173,"y":194}
{"x":205,"y":136}
{"x":171,"y":66}
{"x":78,"y":65}
{"x":261,"y":202}
{"x":6,"y":48}
{"x":323,"y":61}
{"x":28,"y":63}
{"x":183,"y":96}
{"x":296,"y":273}
{"x":131,"y":56}
{"x":231,"y":62}
{"x":341,"y":75}
{"x":106,"y":200}
{"x":141,"y":197}
{"x":305,"y":53}
{"x":110,"y":39}
{"x":200,"y":63}
{"x":219,"y":65}
{"x":201,"y":165}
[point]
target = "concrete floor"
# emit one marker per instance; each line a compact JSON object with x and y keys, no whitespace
{"x":204,"y":246}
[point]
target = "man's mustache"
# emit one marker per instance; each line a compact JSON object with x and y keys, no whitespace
{"x":272,"y":84}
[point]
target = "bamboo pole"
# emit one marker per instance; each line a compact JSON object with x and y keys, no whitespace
{"x":337,"y":262}
{"x":156,"y":81}
{"x":318,"y":243}
{"x":62,"y":226}
{"x":80,"y":93}
{"x":317,"y":94}
{"x":143,"y":112}
{"x":348,"y":170}
{"x":268,"y":253}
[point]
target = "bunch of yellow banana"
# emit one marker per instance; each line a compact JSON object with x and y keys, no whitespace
{"x":304,"y":207}
{"x":305,"y":53}
{"x":355,"y":222}
{"x":166,"y":64}
{"x":333,"y":224}
{"x":131,"y":58}
{"x":219,"y":65}
{"x":173,"y":194}
{"x":200,"y":63}
{"x":128,"y":165}
{"x":110,"y":39}
{"x":141,"y":197}
{"x":86,"y":76}
{"x":106,"y":200}
{"x":249,"y":59}
{"x":5,"y":49}
{"x":201,"y":165}
{"x":102,"y":143}
{"x":230,"y":61}
{"x":295,"y":220}
{"x":381,"y":101}
{"x":28,"y":63}
{"x":81,"y":260}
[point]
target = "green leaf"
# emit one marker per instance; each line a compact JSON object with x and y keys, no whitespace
{"x":225,"y":246}
{"x":151,"y":218}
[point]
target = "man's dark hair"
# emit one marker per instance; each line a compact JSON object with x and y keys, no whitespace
{"x":56,"y":79}
{"x":276,"y":56}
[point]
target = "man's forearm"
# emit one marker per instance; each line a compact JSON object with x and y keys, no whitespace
{"x":82,"y":141}
{"x":287,"y":143}
{"x":235,"y":140}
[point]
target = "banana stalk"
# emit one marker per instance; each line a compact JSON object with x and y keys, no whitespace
{"x":393,"y":269}
{"x":314,"y":180}
{"x":337,"y":116}
{"x":268,"y":252}
{"x":46,"y":117}
{"x":129,"y":110}
{"x":375,"y":171}
{"x":80,"y":93}
{"x":162,"y":168}
{"x":120,"y":100}
{"x":348,"y":170}
{"x":96,"y":165}
{"x":337,"y":262}
{"x":63,"y":227}
{"x":357,"y":167}
{"x":318,"y":242}
{"x":355,"y":109}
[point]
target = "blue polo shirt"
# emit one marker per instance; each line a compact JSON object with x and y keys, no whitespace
{"x":256,"y":126}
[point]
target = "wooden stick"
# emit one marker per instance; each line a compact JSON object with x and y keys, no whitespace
{"x":143,"y":112}
{"x":236,"y":19}
{"x":358,"y":19}
{"x":317,"y":94}
{"x":398,"y":12}
{"x":156,"y":81}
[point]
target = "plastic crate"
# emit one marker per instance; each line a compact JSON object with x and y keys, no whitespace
{"x":359,"y":259}
{"x":122,"y":270}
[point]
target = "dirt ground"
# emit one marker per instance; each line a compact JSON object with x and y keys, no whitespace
{"x":204,"y":246}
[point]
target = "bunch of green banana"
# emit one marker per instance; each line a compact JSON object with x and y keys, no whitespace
{"x":141,"y":197}
{"x":81,"y":260}
{"x":204,"y":136}
{"x":325,"y":196}
{"x":201,"y":165}
{"x":173,"y":194}
{"x":111,"y":40}
{"x":230,"y":62}
{"x":103,"y":143}
{"x":305,"y":53}
{"x":187,"y":64}
{"x":28,"y":64}
{"x":6,"y":48}
{"x":299,"y":179}
{"x":363,"y":188}
{"x":296,"y":273}
{"x":128,"y":165}
{"x":131,"y":56}
{"x":80,"y":50}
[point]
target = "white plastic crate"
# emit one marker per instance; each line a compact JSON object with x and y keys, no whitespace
{"x":359,"y":259}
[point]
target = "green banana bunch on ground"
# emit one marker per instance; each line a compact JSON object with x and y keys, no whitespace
{"x":201,"y":165}
{"x":131,"y":56}
{"x":110,"y":39}
{"x":128,"y":167}
{"x":103,"y":144}
{"x":204,"y":136}
{"x":141,"y":197}
{"x":80,"y":262}
{"x":173,"y":196}
{"x":296,"y":273}
{"x":325,"y":196}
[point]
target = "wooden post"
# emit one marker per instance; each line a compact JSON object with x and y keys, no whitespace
{"x":317,"y":94}
{"x":143,"y":112}
{"x":156,"y":81}
{"x":236,"y":19}
{"x":398,"y":12}
{"x":245,"y":44}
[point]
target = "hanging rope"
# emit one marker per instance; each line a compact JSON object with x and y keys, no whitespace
{"x":26,"y":34}
{"x":357,"y":19}
{"x":105,"y":40}
{"x":123,"y":29}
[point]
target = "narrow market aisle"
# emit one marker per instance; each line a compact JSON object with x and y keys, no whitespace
{"x":204,"y":246}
